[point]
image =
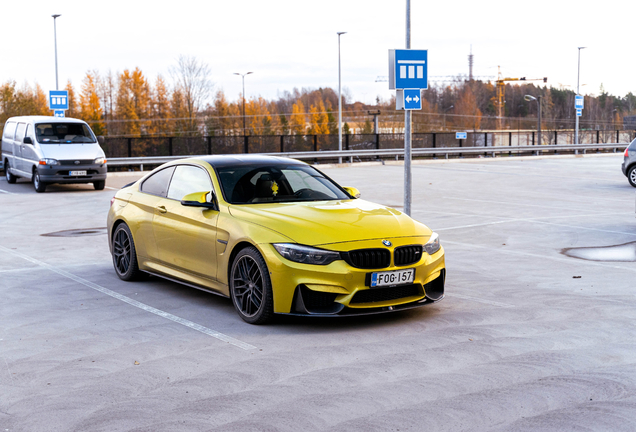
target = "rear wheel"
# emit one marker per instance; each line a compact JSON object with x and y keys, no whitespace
{"x":99,"y":185}
{"x":124,"y":254}
{"x":37,"y":183}
{"x":10,"y":177}
{"x":251,"y":287}
{"x":631,"y":176}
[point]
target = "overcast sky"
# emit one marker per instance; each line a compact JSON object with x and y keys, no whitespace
{"x":293,"y":43}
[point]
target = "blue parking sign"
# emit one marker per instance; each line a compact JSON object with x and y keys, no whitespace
{"x":58,"y":99}
{"x":408,"y":69}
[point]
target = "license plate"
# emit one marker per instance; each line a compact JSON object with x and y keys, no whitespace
{"x":397,"y":277}
{"x":77,"y":173}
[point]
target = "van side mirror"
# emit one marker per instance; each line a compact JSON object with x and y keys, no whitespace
{"x":205,"y":200}
{"x":101,"y":140}
{"x":27,"y":140}
{"x":355,"y":193}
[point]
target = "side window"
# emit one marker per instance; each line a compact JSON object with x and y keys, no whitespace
{"x":29,"y":132}
{"x":157,"y":184}
{"x":188,"y":179}
{"x":9,"y":130}
{"x":19,"y":134}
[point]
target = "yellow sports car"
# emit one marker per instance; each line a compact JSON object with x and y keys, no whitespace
{"x":276,"y":236}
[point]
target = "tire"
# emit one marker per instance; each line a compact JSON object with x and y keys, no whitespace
{"x":631,"y":176}
{"x":10,"y":177}
{"x":125,"y":254}
{"x":37,"y":184}
{"x":251,"y":287}
{"x":99,"y":185}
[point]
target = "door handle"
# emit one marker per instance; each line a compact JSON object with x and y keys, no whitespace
{"x":161,"y":209}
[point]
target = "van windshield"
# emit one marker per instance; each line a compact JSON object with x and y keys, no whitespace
{"x":63,"y":133}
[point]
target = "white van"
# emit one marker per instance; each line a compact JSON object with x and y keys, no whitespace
{"x":49,"y":150}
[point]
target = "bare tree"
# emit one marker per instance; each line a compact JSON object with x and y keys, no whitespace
{"x":192,"y":79}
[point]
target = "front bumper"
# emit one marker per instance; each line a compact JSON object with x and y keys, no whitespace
{"x":340,"y":289}
{"x":61,"y":173}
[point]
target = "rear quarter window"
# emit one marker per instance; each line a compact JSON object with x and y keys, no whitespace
{"x":157,"y":184}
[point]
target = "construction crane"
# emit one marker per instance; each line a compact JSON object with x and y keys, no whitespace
{"x":501,"y":92}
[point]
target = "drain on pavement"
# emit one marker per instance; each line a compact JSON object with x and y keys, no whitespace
{"x":623,"y":252}
{"x":77,"y":232}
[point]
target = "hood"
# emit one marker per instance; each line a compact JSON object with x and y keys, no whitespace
{"x":324,"y":222}
{"x":72,"y":151}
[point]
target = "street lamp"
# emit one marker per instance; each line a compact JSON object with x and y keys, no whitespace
{"x":578,"y":76}
{"x":538,"y":100}
{"x":57,"y":87}
{"x":243,"y":78}
{"x":339,"y":100}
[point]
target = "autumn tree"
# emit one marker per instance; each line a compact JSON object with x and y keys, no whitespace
{"x":297,"y":122}
{"x":90,"y":108}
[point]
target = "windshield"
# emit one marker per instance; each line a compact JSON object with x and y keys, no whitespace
{"x":61,"y":133}
{"x":267,"y":184}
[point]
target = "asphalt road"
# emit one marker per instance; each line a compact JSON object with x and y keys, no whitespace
{"x":527,"y":338}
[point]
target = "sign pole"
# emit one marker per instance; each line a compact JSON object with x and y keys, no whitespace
{"x":407,"y":128}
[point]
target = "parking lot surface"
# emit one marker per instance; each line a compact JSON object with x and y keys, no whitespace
{"x":528,"y":337}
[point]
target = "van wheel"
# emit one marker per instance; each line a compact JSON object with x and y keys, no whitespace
{"x":37,"y":184}
{"x":99,"y":185}
{"x":10,"y":177}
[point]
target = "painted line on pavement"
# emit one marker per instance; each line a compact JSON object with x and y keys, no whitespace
{"x":135,"y":303}
{"x":567,"y":260}
{"x":7,"y":192}
{"x":480,"y":300}
{"x":111,"y":188}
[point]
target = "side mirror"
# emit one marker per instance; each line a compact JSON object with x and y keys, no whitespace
{"x":355,"y":193}
{"x":200,"y":199}
{"x":101,"y":140}
{"x":27,"y":140}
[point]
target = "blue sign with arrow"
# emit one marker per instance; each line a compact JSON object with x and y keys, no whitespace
{"x":412,"y":99}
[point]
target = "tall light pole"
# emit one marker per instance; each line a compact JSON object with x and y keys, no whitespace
{"x":243,"y":78}
{"x":407,"y":127}
{"x":538,"y":100}
{"x":578,"y":75}
{"x":339,"y":100}
{"x":57,"y":86}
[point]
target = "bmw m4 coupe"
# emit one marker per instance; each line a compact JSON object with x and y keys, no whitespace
{"x":276,"y":236}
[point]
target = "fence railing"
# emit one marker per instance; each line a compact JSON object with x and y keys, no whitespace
{"x":378,"y":154}
{"x":116,"y":147}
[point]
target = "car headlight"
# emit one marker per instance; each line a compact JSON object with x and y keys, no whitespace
{"x":432,"y":245}
{"x":49,"y":162}
{"x":306,"y":254}
{"x":100,"y":161}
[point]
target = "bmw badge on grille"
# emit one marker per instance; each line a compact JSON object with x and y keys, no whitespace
{"x":386,"y":243}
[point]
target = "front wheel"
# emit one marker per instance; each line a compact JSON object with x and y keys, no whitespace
{"x":10,"y":177}
{"x":99,"y":185}
{"x":251,"y":287}
{"x":125,"y":254}
{"x":631,"y":176}
{"x":37,"y":184}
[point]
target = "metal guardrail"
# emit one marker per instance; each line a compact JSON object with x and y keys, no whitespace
{"x":377,"y":153}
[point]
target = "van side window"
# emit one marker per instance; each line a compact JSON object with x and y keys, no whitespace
{"x":9,"y":130}
{"x":19,"y":134}
{"x":157,"y":184}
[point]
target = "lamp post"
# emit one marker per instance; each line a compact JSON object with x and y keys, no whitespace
{"x":243,"y":78}
{"x":538,"y":100}
{"x":578,"y":76}
{"x":57,"y":87}
{"x":339,"y":100}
